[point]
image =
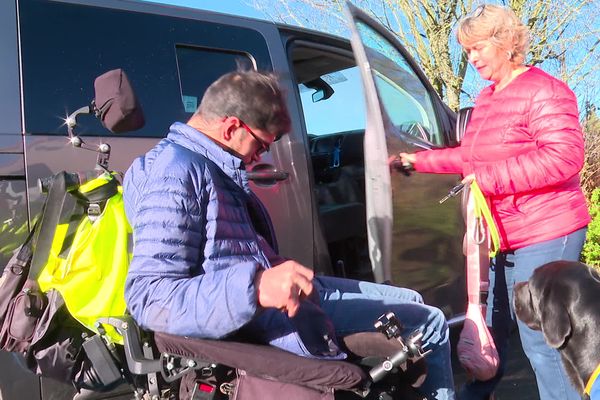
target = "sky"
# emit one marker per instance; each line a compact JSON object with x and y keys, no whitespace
{"x":235,"y":7}
{"x":244,"y":8}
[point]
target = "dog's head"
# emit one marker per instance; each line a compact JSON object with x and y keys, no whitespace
{"x":560,"y":299}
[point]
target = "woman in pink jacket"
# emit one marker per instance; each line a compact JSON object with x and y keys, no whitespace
{"x":524,"y":146}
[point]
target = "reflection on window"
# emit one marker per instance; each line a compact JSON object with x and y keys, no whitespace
{"x":142,"y":44}
{"x":192,"y":60}
{"x":405,"y":99}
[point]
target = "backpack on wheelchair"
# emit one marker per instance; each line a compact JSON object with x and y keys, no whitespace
{"x":68,"y":335}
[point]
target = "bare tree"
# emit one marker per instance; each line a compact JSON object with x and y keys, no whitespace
{"x":565,"y":38}
{"x":590,"y":174}
{"x":565,"y":34}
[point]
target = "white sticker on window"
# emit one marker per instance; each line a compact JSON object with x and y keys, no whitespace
{"x":190,"y":103}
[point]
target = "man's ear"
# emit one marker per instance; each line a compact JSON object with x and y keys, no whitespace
{"x":228,"y":126}
{"x":556,"y":322}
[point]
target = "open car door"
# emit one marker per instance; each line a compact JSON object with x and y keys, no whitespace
{"x":413,"y":240}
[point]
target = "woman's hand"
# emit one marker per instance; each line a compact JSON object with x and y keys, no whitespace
{"x":403,"y":162}
{"x":408,"y":158}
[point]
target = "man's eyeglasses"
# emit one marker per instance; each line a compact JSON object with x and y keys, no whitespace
{"x":264,"y":146}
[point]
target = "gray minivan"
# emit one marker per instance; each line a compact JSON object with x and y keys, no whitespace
{"x":312,"y":181}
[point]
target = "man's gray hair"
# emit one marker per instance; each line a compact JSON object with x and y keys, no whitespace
{"x":254,"y":97}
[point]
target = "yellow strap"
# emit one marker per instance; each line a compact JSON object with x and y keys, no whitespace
{"x":592,"y":379}
{"x":481,"y":208}
{"x":96,"y":182}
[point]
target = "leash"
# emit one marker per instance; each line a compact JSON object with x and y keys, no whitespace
{"x":482,"y":210}
{"x":476,"y":349}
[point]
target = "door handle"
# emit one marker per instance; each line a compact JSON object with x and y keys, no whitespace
{"x":265,"y":174}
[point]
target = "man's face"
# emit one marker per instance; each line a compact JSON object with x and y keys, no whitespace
{"x":249,"y":143}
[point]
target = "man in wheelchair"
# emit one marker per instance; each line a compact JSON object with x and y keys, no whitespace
{"x":205,"y":262}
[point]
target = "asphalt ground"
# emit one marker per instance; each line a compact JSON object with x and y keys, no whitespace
{"x":519,"y":380}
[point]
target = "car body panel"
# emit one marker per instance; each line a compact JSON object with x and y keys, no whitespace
{"x":53,"y":49}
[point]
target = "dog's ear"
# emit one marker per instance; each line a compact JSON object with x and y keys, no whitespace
{"x":556,"y":323}
{"x":523,"y":304}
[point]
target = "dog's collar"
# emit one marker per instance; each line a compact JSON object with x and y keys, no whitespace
{"x":592,"y":380}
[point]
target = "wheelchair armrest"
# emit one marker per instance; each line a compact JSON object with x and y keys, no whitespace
{"x":137,"y":363}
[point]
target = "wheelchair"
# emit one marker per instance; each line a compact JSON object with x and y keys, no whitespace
{"x":381,"y":365}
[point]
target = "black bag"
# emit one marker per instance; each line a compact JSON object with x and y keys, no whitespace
{"x":56,"y":346}
{"x":35,"y":324}
{"x":22,"y":315}
{"x":14,"y":276}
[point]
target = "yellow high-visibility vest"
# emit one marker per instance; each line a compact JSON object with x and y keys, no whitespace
{"x":91,"y":275}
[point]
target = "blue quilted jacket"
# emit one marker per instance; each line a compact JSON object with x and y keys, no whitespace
{"x":200,"y":235}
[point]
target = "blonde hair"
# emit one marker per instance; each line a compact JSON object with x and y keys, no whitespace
{"x":499,"y":25}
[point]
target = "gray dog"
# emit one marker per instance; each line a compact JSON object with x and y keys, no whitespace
{"x":561,"y":299}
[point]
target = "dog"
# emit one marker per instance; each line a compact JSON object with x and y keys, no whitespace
{"x":561,"y":299}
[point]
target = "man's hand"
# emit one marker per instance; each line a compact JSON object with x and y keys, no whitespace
{"x":282,"y":286}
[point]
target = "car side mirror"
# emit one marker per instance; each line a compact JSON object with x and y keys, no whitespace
{"x":462,"y":119}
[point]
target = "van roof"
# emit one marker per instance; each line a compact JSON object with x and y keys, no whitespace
{"x":154,"y":7}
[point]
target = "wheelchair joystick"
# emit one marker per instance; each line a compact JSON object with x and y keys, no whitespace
{"x":389,"y":325}
{"x":410,"y":349}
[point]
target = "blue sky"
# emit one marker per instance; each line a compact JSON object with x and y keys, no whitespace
{"x":236,"y":7}
{"x":244,"y":8}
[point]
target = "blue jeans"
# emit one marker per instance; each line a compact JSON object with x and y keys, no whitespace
{"x":353,"y":306}
{"x":505,"y":270}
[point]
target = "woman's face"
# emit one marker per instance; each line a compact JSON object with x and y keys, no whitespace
{"x":491,"y":63}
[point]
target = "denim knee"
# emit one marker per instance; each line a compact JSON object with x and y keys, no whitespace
{"x":416,"y":296}
{"x":439,"y":318}
{"x":436,"y":329}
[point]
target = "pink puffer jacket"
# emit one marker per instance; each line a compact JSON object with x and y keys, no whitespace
{"x":525,"y":146}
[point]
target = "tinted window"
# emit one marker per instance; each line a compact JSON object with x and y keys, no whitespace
{"x":65,"y":46}
{"x":195,"y":78}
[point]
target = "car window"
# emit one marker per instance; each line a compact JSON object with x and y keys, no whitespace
{"x":169,"y":61}
{"x":192,"y":60}
{"x":406,"y":101}
{"x":343,"y":111}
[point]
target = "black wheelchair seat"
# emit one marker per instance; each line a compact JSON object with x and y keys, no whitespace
{"x":160,"y":366}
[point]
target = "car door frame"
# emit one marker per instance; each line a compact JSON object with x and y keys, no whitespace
{"x":380,"y":216}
